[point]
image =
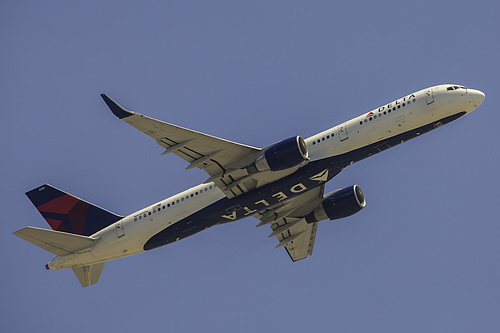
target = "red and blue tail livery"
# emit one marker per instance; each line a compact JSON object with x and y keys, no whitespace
{"x":67,"y":213}
{"x":282,"y":184}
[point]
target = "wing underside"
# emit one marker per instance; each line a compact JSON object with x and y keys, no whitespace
{"x":223,"y":160}
{"x":289,"y":226}
{"x":226,"y":161}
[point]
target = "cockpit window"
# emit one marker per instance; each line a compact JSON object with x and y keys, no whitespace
{"x":456,"y":87}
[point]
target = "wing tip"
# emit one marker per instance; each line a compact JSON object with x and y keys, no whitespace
{"x":117,"y":109}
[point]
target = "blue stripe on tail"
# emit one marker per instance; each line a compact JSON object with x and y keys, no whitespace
{"x":67,"y":213}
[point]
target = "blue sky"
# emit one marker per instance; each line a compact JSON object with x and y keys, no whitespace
{"x":422,"y":256}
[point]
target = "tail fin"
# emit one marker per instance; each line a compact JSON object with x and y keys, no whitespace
{"x":67,"y":213}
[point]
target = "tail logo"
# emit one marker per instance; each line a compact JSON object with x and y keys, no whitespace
{"x":65,"y":213}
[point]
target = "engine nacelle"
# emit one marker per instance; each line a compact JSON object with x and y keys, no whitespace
{"x":281,"y":156}
{"x":339,"y":204}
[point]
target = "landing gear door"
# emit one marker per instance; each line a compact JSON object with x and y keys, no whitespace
{"x":343,"y":132}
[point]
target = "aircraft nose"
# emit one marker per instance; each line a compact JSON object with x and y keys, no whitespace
{"x":477,"y":97}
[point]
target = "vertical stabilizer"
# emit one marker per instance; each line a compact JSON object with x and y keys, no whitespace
{"x":88,"y":275}
{"x":67,"y":213}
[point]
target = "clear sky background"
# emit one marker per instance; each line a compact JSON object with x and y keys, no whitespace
{"x":423,"y":256}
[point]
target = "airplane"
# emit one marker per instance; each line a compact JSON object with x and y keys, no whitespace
{"x":282,"y":185}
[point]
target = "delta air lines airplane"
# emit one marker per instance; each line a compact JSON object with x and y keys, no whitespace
{"x":281,"y":185}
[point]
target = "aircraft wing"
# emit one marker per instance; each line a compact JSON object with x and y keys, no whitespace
{"x":289,"y":226}
{"x":218,"y":157}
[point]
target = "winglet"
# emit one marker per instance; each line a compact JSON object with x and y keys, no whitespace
{"x":117,"y":109}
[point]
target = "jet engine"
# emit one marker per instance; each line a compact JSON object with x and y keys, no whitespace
{"x":280,"y":156}
{"x":339,"y":204}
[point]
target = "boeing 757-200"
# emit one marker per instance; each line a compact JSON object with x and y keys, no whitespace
{"x":281,"y":185}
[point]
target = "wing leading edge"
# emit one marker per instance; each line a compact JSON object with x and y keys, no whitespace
{"x":220,"y":158}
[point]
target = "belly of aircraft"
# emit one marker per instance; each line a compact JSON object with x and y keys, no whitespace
{"x":314,"y":174}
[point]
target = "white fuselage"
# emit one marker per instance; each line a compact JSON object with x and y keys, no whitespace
{"x":428,"y":106}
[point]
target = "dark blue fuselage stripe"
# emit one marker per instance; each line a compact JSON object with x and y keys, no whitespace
{"x":212,"y":215}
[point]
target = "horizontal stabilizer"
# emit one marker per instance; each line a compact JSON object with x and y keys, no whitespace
{"x":57,"y":242}
{"x":88,"y":275}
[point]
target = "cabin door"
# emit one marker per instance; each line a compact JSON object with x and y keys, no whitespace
{"x":429,"y":96}
{"x":119,"y":230}
{"x":343,"y":132}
